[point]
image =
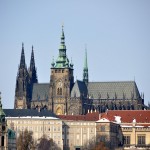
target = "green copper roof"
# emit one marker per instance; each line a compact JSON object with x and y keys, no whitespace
{"x":85,"y":61}
{"x":62,"y":44}
{"x":1,"y":110}
{"x":62,"y":60}
{"x":85,"y":69}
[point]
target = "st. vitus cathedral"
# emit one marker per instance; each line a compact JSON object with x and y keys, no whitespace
{"x":63,"y":95}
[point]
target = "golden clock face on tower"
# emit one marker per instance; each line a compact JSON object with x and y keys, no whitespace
{"x":60,"y":83}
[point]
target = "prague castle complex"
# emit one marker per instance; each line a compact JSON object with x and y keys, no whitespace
{"x":73,"y":113}
{"x":63,"y":95}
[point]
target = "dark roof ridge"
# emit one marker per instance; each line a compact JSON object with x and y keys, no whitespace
{"x":111,"y":81}
{"x":127,"y":110}
{"x":78,"y":80}
{"x":41,"y":83}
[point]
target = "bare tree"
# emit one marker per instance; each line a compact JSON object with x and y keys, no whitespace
{"x":25,"y":141}
{"x":96,"y":143}
{"x":47,"y":144}
{"x":148,"y":105}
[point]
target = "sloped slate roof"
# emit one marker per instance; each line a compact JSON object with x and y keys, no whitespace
{"x":40,"y":91}
{"x":28,"y":112}
{"x":78,"y":89}
{"x":111,"y":90}
{"x":96,"y":90}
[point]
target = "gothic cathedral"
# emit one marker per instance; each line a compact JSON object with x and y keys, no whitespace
{"x":63,"y":95}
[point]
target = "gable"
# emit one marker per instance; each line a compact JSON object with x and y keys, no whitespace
{"x":79,"y":89}
{"x":40,"y":91}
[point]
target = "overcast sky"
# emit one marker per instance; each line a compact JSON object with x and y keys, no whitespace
{"x":116,"y":32}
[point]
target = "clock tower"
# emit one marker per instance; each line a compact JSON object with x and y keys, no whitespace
{"x":61,"y":81}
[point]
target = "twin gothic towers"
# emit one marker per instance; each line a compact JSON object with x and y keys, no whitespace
{"x":55,"y":95}
{"x":24,"y":81}
{"x":64,"y":96}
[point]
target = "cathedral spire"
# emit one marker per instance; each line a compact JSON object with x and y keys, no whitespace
{"x":62,"y":49}
{"x":32,"y":69}
{"x":21,"y":83}
{"x":22,"y":60}
{"x":32,"y":62}
{"x":62,"y":60}
{"x":85,"y":69}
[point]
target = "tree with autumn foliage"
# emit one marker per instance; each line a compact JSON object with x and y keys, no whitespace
{"x":93,"y":144}
{"x":25,"y":141}
{"x":47,"y":144}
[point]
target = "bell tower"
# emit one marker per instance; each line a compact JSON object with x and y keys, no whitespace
{"x":61,"y":80}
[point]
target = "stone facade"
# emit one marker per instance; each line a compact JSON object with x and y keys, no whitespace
{"x":135,"y":127}
{"x":63,"y":95}
{"x":77,"y":133}
{"x":51,"y":127}
{"x":24,"y":82}
{"x":109,"y":132}
{"x":125,"y":129}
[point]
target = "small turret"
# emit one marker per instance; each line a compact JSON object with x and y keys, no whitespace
{"x":53,"y":63}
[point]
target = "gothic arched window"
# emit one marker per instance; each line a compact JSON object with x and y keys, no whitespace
{"x":60,"y":91}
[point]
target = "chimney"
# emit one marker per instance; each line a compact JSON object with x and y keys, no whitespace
{"x":39,"y":109}
{"x":100,"y":116}
{"x":106,"y":111}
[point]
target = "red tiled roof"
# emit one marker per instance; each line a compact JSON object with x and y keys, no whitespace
{"x":94,"y":116}
{"x":127,"y":116}
{"x":138,"y":124}
{"x":145,"y":125}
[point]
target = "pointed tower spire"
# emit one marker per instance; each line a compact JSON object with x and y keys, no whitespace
{"x":21,"y":83}
{"x":85,"y":69}
{"x":32,"y":69}
{"x":62,"y":49}
{"x":62,"y":60}
{"x":22,"y":60}
{"x":32,"y":62}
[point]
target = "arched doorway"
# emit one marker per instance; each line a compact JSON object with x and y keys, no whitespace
{"x":59,"y":111}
